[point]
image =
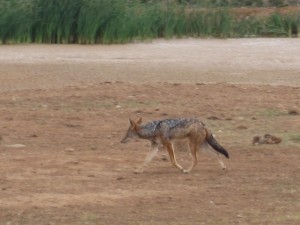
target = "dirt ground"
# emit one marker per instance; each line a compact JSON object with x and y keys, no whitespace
{"x":64,"y":110}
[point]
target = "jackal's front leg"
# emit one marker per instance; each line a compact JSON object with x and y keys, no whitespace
{"x":149,"y":157}
{"x":170,"y":149}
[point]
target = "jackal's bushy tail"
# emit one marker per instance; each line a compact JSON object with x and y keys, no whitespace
{"x":213,"y":143}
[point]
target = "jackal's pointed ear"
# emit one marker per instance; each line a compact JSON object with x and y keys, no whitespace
{"x":132,"y":123}
{"x":139,"y":121}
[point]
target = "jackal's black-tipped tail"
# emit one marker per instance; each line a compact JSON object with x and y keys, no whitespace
{"x":213,"y":143}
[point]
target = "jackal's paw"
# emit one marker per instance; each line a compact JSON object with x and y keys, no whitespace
{"x":185,"y":171}
{"x":138,"y":170}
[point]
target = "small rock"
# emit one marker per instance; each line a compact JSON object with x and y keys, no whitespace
{"x":93,"y":148}
{"x":241,"y":127}
{"x":164,"y":158}
{"x":120,"y":178}
{"x":213,"y":118}
{"x":293,"y":112}
{"x":69,"y":149}
{"x":266,"y":139}
{"x":71,"y":125}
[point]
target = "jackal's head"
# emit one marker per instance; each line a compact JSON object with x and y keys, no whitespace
{"x":132,"y":131}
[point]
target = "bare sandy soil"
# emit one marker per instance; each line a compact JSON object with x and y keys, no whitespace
{"x":64,"y":110}
{"x":251,"y":61}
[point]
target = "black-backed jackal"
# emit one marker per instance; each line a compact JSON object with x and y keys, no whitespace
{"x":165,"y":131}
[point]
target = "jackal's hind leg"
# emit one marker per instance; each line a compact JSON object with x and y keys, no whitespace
{"x":151,"y":154}
{"x":214,"y":154}
{"x":224,"y":167}
{"x":193,"y":149}
{"x":170,"y":150}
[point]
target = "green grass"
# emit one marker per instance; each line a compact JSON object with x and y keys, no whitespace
{"x":115,"y":21}
{"x":295,"y":137}
{"x":272,"y":112}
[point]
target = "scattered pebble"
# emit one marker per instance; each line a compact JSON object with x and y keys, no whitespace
{"x":69,"y":149}
{"x":93,"y":148}
{"x":241,"y":127}
{"x":293,"y":112}
{"x":213,"y":118}
{"x":71,"y":125}
{"x":164,"y":158}
{"x":266,"y":139}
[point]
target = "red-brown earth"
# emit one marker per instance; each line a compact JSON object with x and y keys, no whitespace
{"x":64,"y":110}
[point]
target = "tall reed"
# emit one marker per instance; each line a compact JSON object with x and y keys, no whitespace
{"x":16,"y":20}
{"x":121,"y":21}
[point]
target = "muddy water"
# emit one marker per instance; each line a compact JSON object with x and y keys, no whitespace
{"x":253,"y":61}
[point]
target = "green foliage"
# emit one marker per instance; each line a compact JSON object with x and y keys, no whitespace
{"x":115,"y":21}
{"x":16,"y":20}
{"x":278,"y":25}
{"x":210,"y":23}
{"x":57,"y":21}
{"x":276,"y":2}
